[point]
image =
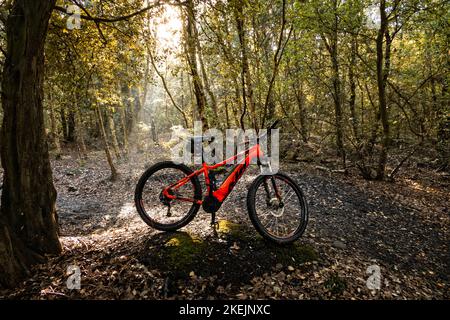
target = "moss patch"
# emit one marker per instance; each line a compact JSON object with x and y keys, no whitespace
{"x":296,"y":254}
{"x":230,"y":229}
{"x":181,"y":251}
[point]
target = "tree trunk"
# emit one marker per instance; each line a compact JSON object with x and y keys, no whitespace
{"x":168,"y":92}
{"x":54,"y":132}
{"x":191,"y":49}
{"x":28,"y":219}
{"x":79,"y":128}
{"x":269,"y":105}
{"x":246,"y":78}
{"x":351,"y":79}
{"x":137,"y":108}
{"x":300,"y":99}
{"x":227,"y":114}
{"x":383,"y":66}
{"x":211,"y":95}
{"x":238,"y":105}
{"x":124,"y":128}
{"x":62,"y":113}
{"x":114,"y":173}
{"x":71,"y":126}
{"x":128,"y":105}
{"x":113,"y":135}
{"x":337,"y":95}
{"x":80,"y":135}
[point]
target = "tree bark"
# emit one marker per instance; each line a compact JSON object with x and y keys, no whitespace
{"x":166,"y":88}
{"x":337,"y":86}
{"x":383,"y":67}
{"x":191,"y":48}
{"x":246,"y":78}
{"x":206,"y":83}
{"x":80,"y":135}
{"x":54,"y":132}
{"x":71,"y":125}
{"x":113,"y":135}
{"x":62,"y":113}
{"x":351,"y":79}
{"x":300,"y":99}
{"x":332,"y":48}
{"x":124,"y":128}
{"x":28,"y":219}
{"x":79,"y":128}
{"x":269,"y":105}
{"x":114,"y":173}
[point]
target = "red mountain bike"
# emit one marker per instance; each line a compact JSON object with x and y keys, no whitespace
{"x":169,"y":195}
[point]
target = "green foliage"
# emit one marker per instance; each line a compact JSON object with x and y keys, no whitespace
{"x":290,"y":73}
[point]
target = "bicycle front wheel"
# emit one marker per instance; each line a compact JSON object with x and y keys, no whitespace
{"x":160,"y":212}
{"x":277,"y":208}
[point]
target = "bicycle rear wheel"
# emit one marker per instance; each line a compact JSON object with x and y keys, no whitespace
{"x":158,"y":211}
{"x":277,"y":208}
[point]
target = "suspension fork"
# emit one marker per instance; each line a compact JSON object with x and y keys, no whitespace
{"x":275,"y":188}
{"x":274,"y":185}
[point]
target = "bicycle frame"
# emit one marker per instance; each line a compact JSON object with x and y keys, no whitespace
{"x":227,"y":185}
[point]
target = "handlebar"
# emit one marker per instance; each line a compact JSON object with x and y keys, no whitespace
{"x":210,"y":139}
{"x":274,"y":125}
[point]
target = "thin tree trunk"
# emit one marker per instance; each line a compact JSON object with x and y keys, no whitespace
{"x":114,"y":173}
{"x":28,"y":219}
{"x":71,"y":125}
{"x":227,"y":116}
{"x":62,"y":113}
{"x":55,"y":136}
{"x":299,"y":97}
{"x":166,"y":88}
{"x":113,"y":135}
{"x":383,"y":66}
{"x":238,"y":104}
{"x":126,"y":98}
{"x":191,"y":49}
{"x":269,"y":106}
{"x":206,"y":83}
{"x":80,"y":135}
{"x":337,"y":86}
{"x":124,"y":129}
{"x":351,"y":79}
{"x":332,"y":48}
{"x":246,"y":78}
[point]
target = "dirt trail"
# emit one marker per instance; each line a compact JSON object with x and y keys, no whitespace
{"x":402,"y":228}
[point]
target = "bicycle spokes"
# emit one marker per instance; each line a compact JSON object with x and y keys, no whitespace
{"x":166,"y":207}
{"x":280,"y":212}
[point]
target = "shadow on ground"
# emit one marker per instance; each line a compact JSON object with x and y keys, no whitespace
{"x":233,"y":256}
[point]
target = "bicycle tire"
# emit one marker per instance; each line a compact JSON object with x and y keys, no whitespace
{"x":140,"y":187}
{"x":251,"y":201}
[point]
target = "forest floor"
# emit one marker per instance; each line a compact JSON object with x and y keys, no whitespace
{"x":400,"y":227}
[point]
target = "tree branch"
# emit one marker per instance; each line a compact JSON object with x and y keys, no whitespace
{"x":89,"y":17}
{"x":166,"y":88}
